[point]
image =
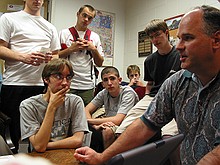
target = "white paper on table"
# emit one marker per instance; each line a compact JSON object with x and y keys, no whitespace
{"x":6,"y":158}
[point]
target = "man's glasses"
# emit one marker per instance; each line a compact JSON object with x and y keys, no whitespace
{"x":155,"y":35}
{"x":60,"y":77}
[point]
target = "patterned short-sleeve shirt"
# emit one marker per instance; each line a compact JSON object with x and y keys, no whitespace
{"x":196,"y":109}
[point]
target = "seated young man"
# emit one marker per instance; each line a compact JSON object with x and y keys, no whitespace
{"x":117,"y":100}
{"x":55,"y":119}
{"x":133,"y":74}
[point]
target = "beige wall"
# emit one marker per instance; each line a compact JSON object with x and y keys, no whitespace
{"x":139,"y":13}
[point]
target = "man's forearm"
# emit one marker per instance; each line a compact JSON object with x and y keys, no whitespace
{"x":74,"y":141}
{"x":64,"y":53}
{"x":129,"y":139}
{"x":7,"y":54}
{"x":212,"y":158}
{"x":96,"y":121}
{"x":98,"y":59}
{"x":41,"y":138}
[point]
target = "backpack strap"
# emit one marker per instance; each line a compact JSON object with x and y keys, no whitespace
{"x":63,"y":46}
{"x":75,"y":35}
{"x":87,"y":35}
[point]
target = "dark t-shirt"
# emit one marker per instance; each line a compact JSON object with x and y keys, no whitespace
{"x":158,"y":68}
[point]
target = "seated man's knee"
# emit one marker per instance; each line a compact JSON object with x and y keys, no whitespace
{"x":108,"y":137}
{"x":107,"y":133}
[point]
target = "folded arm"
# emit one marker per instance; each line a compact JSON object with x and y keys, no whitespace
{"x":117,"y":119}
{"x":74,"y":141}
{"x":34,"y":58}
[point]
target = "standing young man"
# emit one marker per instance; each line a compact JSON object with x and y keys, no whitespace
{"x":55,"y":119}
{"x":192,"y":96}
{"x":162,"y":63}
{"x":83,"y":49}
{"x":22,"y":36}
{"x":157,"y":68}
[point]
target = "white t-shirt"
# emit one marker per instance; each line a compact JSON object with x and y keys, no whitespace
{"x":82,"y":63}
{"x":26,"y":33}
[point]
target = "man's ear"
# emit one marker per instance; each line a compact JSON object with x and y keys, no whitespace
{"x":46,"y":81}
{"x":216,"y":40}
{"x":120,"y":79}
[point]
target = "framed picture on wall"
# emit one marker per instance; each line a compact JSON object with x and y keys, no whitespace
{"x":173,"y":24}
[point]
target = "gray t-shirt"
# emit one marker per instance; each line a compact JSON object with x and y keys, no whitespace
{"x":69,"y":118}
{"x":120,"y":104}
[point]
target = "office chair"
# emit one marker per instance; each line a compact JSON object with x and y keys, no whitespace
{"x":5,"y":132}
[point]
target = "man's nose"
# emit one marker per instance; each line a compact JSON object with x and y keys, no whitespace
{"x":86,"y":18}
{"x":179,"y":44}
{"x":109,"y":82}
{"x":64,"y":80}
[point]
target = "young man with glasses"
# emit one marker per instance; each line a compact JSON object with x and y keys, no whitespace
{"x":157,"y":68}
{"x":55,"y":119}
{"x":82,"y":47}
{"x":164,"y":62}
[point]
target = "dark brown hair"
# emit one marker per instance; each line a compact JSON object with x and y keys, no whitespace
{"x":92,"y":9}
{"x":54,"y":66}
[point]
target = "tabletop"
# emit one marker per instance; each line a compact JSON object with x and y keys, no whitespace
{"x":58,"y":156}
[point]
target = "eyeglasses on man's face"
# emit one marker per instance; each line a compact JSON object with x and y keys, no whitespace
{"x":60,"y":77}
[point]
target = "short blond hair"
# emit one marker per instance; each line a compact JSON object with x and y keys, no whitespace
{"x":131,"y":68}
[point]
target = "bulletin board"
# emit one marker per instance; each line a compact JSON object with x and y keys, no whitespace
{"x":104,"y":25}
{"x":144,"y":44}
